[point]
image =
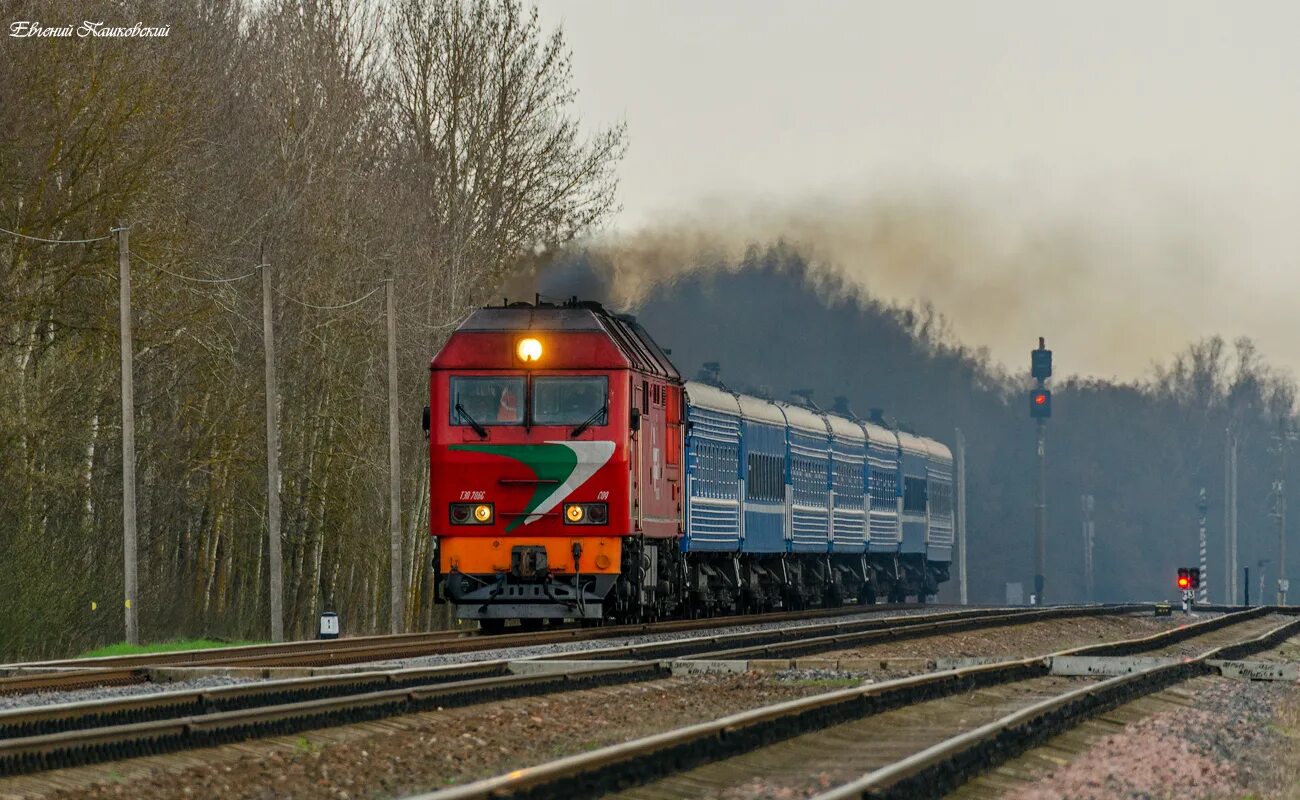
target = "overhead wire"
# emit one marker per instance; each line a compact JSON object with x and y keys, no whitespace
{"x":55,"y":241}
{"x":328,"y":308}
{"x":193,"y":279}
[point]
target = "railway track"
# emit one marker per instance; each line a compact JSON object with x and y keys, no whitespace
{"x":1019,"y":703}
{"x":47,"y":737}
{"x":64,"y":674}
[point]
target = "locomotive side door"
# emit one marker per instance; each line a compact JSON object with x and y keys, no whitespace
{"x":639,"y":390}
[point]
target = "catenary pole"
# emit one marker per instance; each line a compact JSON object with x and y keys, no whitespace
{"x":961,"y":518}
{"x":398,"y":616}
{"x":272,"y":463}
{"x":130,"y":575}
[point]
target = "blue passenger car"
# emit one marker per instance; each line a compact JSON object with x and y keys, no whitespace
{"x":714,"y":479}
{"x":809,"y":442}
{"x":885,"y":485}
{"x":765,"y":470}
{"x":784,"y":502}
{"x":848,"y":485}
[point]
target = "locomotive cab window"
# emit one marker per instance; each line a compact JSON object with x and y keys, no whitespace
{"x":570,"y":400}
{"x":486,"y":401}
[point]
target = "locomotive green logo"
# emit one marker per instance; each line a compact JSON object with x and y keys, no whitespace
{"x":561,"y":466}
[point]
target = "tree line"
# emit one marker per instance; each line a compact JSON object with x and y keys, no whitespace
{"x":430,"y":141}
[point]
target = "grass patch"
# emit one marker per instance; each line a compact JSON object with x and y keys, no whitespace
{"x":124,"y":649}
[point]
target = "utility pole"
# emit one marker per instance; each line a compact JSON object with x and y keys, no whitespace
{"x":1203,"y":591}
{"x":1088,"y":534}
{"x":272,"y":462}
{"x":1040,"y":409}
{"x":398,"y":615}
{"x":130,"y":576}
{"x":1230,"y":518}
{"x":961,"y":517}
{"x":1283,"y":438}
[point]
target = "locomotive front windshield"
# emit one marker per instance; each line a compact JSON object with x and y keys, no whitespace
{"x":487,"y":401}
{"x":570,"y":401}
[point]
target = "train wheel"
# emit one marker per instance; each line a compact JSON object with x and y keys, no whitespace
{"x":492,"y":626}
{"x":531,"y":625}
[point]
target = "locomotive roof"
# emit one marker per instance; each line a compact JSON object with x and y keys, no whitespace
{"x":577,"y":317}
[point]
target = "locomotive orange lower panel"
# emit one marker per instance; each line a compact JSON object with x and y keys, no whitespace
{"x":485,"y":555}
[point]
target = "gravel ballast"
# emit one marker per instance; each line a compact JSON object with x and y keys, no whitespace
{"x":1225,"y":742}
{"x":423,"y":751}
{"x":577,"y":647}
{"x":104,"y":692}
{"x":1013,"y":641}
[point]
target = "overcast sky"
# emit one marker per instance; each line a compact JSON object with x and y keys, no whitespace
{"x":1157,"y":143}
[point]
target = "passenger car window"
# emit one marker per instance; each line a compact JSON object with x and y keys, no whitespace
{"x":570,"y":401}
{"x":487,"y":400}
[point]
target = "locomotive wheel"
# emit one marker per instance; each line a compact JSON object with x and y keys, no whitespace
{"x":492,"y":626}
{"x":531,"y":625}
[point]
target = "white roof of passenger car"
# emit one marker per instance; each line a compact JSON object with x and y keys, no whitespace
{"x":712,"y":397}
{"x":846,"y":428}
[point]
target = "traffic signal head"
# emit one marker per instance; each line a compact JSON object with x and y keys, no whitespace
{"x":1040,"y":363}
{"x":1040,"y":403}
{"x":1184,"y":578}
{"x":1194,"y":575}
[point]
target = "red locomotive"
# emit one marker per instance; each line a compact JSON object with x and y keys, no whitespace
{"x":555,"y":434}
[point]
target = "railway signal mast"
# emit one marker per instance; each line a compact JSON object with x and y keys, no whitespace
{"x":1040,"y":410}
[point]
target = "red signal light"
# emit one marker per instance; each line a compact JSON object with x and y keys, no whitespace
{"x":1184,"y":582}
{"x":1040,"y":399}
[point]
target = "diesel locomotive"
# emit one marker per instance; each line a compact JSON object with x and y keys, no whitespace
{"x":576,"y":475}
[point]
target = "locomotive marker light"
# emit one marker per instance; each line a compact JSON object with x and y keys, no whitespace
{"x":529,"y":350}
{"x":483,"y":513}
{"x":574,"y":513}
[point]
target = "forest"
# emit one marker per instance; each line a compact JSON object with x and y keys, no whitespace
{"x":435,"y":143}
{"x":432,"y":142}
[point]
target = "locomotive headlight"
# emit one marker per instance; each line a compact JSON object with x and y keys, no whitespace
{"x":483,"y":513}
{"x":529,"y":350}
{"x":574,"y":513}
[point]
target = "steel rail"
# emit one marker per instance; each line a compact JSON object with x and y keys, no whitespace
{"x":365,"y":648}
{"x":833,"y":636}
{"x":144,"y":708}
{"x":639,"y":761}
{"x":77,"y":747}
{"x":71,"y":733}
{"x":941,"y":768}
